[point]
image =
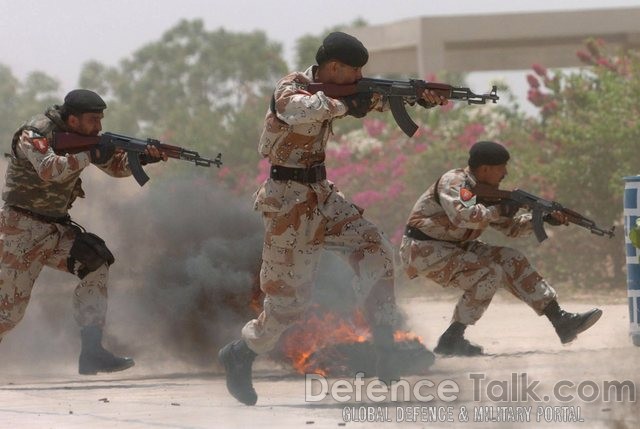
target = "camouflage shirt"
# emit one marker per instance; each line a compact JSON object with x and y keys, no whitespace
{"x":295,"y":135}
{"x":458,"y":216}
{"x":40,"y":181}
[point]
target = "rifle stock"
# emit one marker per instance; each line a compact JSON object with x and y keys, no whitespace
{"x":73,"y":143}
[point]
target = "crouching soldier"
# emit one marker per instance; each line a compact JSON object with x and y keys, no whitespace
{"x":441,"y":243}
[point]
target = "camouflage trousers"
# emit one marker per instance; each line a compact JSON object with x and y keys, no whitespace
{"x":26,"y":246}
{"x":294,"y":241}
{"x":479,"y":269}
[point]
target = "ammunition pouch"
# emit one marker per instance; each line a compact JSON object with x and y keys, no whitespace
{"x":91,"y":252}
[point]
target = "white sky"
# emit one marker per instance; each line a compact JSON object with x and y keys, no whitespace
{"x":59,"y":36}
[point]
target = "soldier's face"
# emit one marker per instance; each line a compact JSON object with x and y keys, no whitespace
{"x":343,"y":74}
{"x":348,"y":74}
{"x":87,"y":124}
{"x":491,"y":174}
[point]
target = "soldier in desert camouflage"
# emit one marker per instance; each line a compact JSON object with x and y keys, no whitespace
{"x":304,"y":213}
{"x":36,"y":230}
{"x":441,"y":243}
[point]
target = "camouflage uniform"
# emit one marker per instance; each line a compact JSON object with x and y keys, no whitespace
{"x":301,"y":219}
{"x":455,"y":256}
{"x":40,"y":188}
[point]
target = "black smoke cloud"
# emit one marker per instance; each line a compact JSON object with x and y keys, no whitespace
{"x":193,"y":253}
{"x":187,"y":258}
{"x":194,"y":249}
{"x":185,"y":280}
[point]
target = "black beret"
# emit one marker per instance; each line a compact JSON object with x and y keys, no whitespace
{"x":487,"y":153}
{"x":83,"y":100}
{"x":344,"y":48}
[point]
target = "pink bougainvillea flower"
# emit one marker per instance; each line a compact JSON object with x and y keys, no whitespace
{"x":540,"y":70}
{"x":533,"y":81}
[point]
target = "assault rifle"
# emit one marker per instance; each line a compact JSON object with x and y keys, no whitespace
{"x":398,"y":91}
{"x":75,"y":143}
{"x":539,"y":207}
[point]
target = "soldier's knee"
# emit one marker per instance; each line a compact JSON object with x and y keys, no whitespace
{"x":491,"y":280}
{"x":88,"y":254}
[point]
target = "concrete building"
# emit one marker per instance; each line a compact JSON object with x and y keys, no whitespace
{"x":510,"y":41}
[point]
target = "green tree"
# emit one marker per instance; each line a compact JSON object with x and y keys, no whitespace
{"x":587,"y":140}
{"x":207,"y":90}
{"x":21,"y":100}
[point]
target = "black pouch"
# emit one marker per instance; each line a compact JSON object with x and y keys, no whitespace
{"x":91,"y":252}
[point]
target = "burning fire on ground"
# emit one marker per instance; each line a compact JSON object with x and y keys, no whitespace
{"x":329,"y":344}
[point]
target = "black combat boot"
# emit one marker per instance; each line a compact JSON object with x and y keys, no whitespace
{"x":387,"y":365}
{"x":237,"y":359}
{"x":453,"y":343}
{"x":569,"y":325}
{"x":94,"y":358}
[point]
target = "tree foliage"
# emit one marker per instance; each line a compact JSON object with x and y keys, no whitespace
{"x":21,"y":100}
{"x":202,"y":89}
{"x":587,"y":140}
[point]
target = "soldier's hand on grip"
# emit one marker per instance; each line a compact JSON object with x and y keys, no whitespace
{"x":101,"y":152}
{"x":430,"y":99}
{"x":508,"y":208}
{"x":358,"y":104}
{"x":152,"y":155}
{"x":555,"y":218}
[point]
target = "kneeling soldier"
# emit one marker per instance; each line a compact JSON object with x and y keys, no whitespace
{"x":441,"y":243}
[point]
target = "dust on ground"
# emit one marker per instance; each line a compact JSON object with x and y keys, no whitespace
{"x":522,"y":351}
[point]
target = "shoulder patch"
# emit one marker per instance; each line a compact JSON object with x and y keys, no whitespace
{"x":467,"y":198}
{"x":39,"y":142}
{"x":466,"y":194}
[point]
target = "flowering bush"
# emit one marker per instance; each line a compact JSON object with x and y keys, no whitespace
{"x":586,"y":141}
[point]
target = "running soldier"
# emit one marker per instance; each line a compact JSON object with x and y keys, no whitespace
{"x":441,"y":243}
{"x":36,"y":229}
{"x":305,"y":213}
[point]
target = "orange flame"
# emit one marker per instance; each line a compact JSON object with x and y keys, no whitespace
{"x":322,"y":329}
{"x":400,"y":336}
{"x":315,"y":333}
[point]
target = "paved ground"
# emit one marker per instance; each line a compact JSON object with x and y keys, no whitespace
{"x":523,"y":349}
